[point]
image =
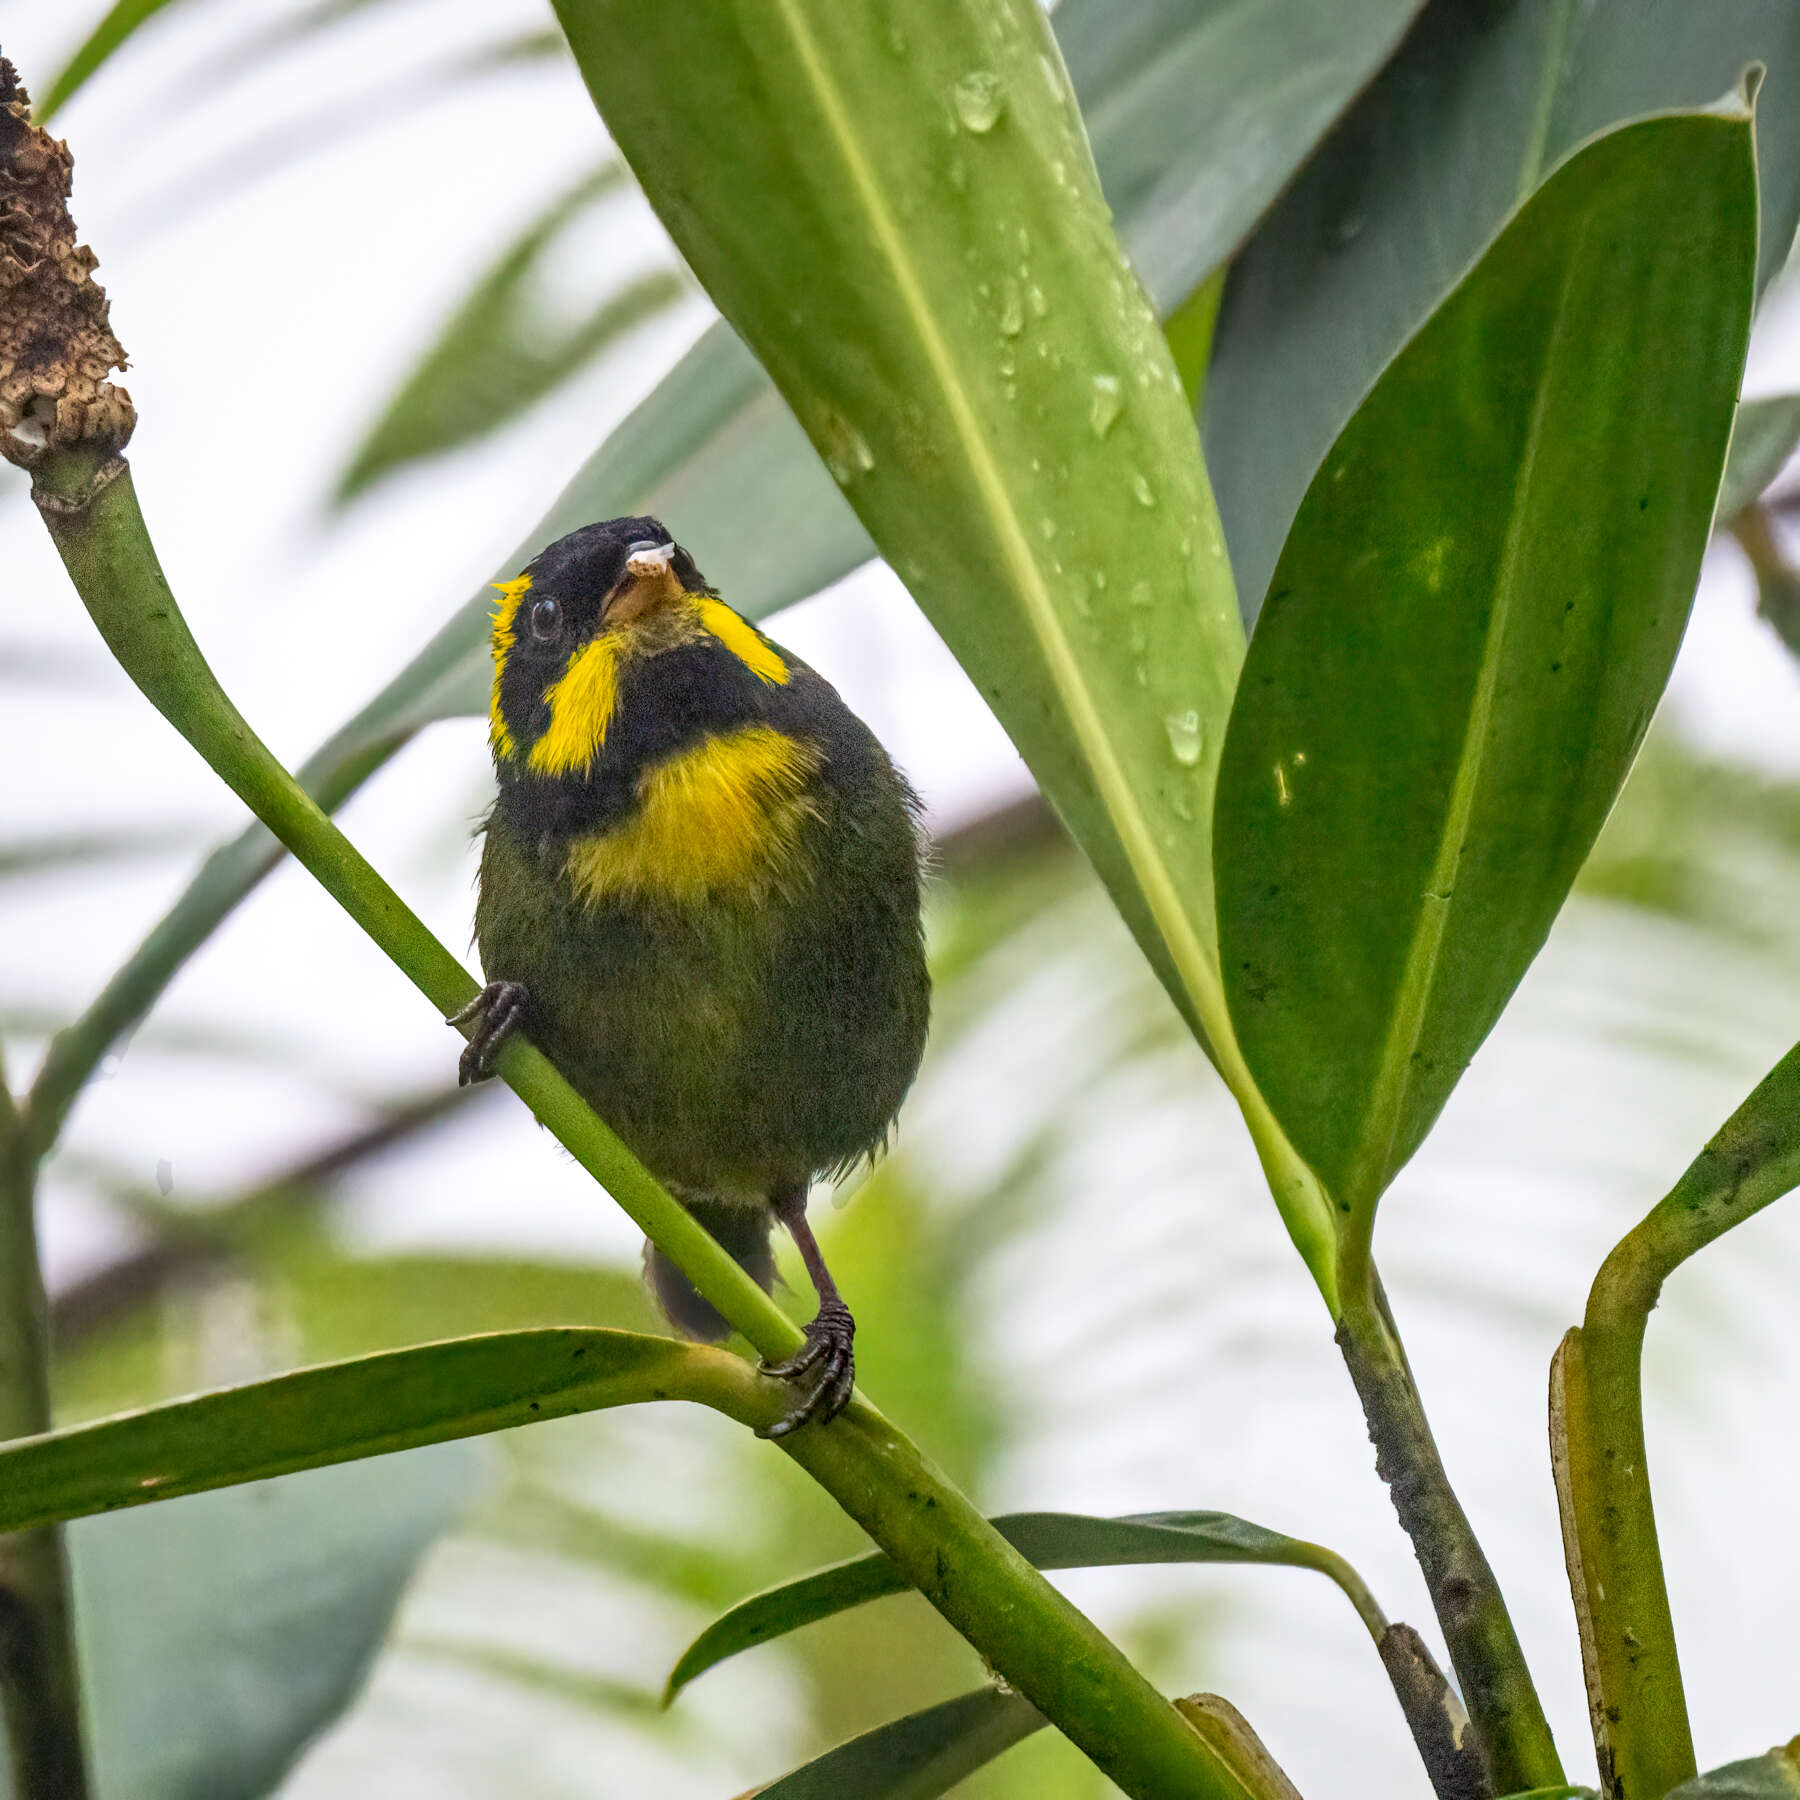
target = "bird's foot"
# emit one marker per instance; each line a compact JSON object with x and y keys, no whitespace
{"x":496,"y":1013}
{"x":823,"y":1370}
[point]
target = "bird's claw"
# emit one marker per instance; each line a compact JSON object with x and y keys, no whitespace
{"x":496,"y":1013}
{"x":824,"y":1368}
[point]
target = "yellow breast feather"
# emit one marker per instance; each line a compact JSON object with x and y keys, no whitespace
{"x":720,"y":819}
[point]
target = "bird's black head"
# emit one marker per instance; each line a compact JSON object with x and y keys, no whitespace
{"x":567,"y":621}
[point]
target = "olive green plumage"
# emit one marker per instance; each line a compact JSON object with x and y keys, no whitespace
{"x":704,"y":872}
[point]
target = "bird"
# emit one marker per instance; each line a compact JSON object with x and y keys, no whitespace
{"x":700,"y":896}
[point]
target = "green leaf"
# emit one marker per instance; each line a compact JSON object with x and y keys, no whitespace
{"x":916,"y":1758}
{"x":1201,"y":111}
{"x":126,"y":17}
{"x":901,"y":217}
{"x":1468,"y":632}
{"x":1480,"y":103}
{"x":367,"y":1406}
{"x":119,"y":23}
{"x":221,"y":1634}
{"x":1752,"y":1161}
{"x":496,"y":357}
{"x":1766,"y":435}
{"x":1772,"y":1777}
{"x":1046,"y":1540}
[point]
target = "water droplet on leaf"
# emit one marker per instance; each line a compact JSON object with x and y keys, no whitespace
{"x":846,"y":450}
{"x":1012,"y":308}
{"x":980,"y":100}
{"x":1105,"y":404}
{"x":1185,"y":737}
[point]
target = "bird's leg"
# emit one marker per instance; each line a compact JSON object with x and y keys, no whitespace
{"x":496,"y":1013}
{"x":827,"y":1360}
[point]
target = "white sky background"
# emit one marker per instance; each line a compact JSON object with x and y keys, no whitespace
{"x":264,"y":327}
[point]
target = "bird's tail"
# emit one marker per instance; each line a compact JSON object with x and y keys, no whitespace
{"x":741,"y":1230}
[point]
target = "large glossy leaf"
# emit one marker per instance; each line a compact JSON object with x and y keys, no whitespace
{"x":1201,"y":111}
{"x":899,"y":213}
{"x":1480,"y":103}
{"x":338,"y":1412}
{"x":495,"y":357}
{"x":1046,"y":1541}
{"x":918,"y":1757}
{"x":1772,"y":1777}
{"x":1468,"y":632}
{"x":1766,"y":436}
{"x":220,"y":1634}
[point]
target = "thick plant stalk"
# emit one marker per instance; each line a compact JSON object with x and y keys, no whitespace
{"x":1511,"y":1734}
{"x":40,"y":1683}
{"x":1015,"y":1619}
{"x":1639,"y":1710}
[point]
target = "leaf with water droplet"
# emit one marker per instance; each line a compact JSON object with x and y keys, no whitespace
{"x":1141,"y":490}
{"x":1186,"y":739}
{"x":847,"y":452}
{"x":979,"y":99}
{"x":1105,"y":405}
{"x":1012,"y":309}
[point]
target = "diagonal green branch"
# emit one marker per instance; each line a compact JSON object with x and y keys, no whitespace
{"x":1042,"y":1644}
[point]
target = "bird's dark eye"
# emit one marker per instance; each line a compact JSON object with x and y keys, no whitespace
{"x":546,"y":620}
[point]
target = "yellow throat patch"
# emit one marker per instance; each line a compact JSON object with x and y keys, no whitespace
{"x":582,"y":701}
{"x":720,"y":819}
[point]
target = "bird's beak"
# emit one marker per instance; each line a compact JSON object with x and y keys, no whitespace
{"x":648,"y":581}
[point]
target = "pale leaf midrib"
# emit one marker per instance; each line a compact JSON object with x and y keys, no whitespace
{"x":1198,"y":971}
{"x":1393,"y":1079}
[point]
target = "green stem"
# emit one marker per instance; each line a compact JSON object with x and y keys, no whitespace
{"x":40,"y":1683}
{"x":1639,"y":1710}
{"x":1508,"y":1719}
{"x":1050,"y":1651}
